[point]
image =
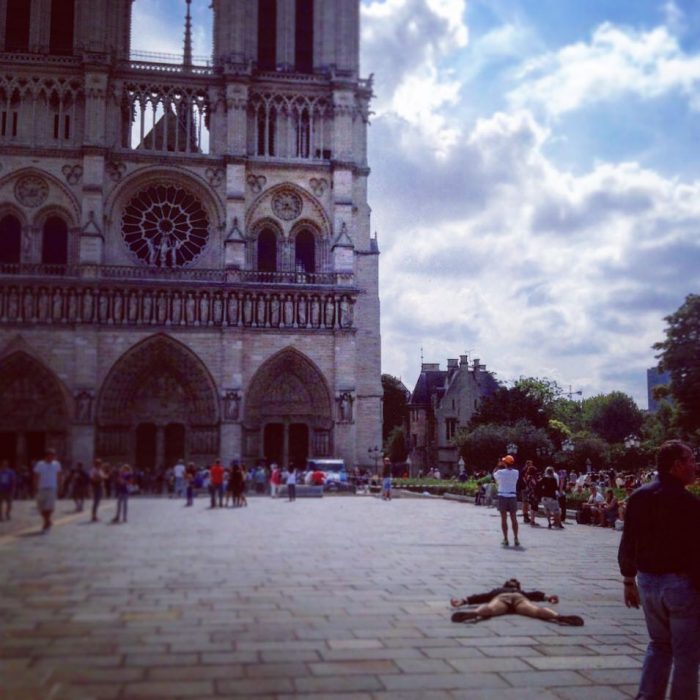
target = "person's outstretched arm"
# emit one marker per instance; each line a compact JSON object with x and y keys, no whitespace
{"x":472,"y":599}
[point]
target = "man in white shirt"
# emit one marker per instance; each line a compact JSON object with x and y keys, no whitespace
{"x":47,"y":482}
{"x":179,"y":473}
{"x":506,"y":477}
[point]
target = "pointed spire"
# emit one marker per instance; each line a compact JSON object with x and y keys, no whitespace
{"x":187,"y":54}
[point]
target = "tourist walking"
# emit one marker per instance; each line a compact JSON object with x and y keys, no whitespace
{"x":275,"y":480}
{"x":179,"y":474}
{"x":97,"y":481}
{"x":122,"y":484}
{"x":81,"y":480}
{"x":660,"y":564}
{"x":216,"y":484}
{"x":386,"y":480}
{"x":47,"y":483}
{"x":8,"y":483}
{"x":529,"y":482}
{"x":292,"y":484}
{"x":506,"y":477}
{"x":237,"y":481}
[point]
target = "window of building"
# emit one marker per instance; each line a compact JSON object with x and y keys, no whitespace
{"x":54,"y":242}
{"x":61,"y":30}
{"x":267,"y":128}
{"x":17,"y":25}
{"x":305,"y":252}
{"x":8,"y":124}
{"x":450,"y":428}
{"x":267,"y":251}
{"x":10,"y":239}
{"x":303,"y":134}
{"x":304,"y":36}
{"x":267,"y":34}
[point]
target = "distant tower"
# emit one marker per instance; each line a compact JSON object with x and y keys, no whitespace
{"x":186,"y":267}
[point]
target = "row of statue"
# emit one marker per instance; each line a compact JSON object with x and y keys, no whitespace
{"x":119,"y":306}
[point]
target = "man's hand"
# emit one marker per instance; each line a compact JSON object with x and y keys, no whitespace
{"x":553,"y":599}
{"x":631,"y":595}
{"x":456,"y":602}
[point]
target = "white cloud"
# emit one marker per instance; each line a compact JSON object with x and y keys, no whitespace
{"x":616,"y":62}
{"x":406,"y":43}
{"x":543,"y":269}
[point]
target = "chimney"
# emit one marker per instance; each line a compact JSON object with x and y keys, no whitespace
{"x":463,"y":360}
{"x":451,"y":364}
{"x":475,"y":365}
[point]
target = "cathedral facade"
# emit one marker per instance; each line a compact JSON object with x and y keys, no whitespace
{"x":186,"y":266}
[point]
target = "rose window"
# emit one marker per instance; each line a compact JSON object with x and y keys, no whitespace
{"x":165,"y":226}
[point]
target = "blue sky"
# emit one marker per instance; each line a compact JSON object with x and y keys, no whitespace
{"x":535,"y":184}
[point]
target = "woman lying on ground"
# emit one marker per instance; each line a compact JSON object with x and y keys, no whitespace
{"x":511,"y":600}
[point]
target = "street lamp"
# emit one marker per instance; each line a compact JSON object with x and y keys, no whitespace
{"x":632,"y":441}
{"x":374,"y":453}
{"x":461,"y":464}
{"x":409,"y":466}
{"x":512,"y":448}
{"x":567,"y":445}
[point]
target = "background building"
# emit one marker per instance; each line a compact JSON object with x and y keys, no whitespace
{"x":186,"y":267}
{"x":657,"y":378}
{"x":441,"y":402}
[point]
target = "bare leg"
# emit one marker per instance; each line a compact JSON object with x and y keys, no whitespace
{"x":529,"y":609}
{"x":504,"y":524}
{"x":514,"y":523}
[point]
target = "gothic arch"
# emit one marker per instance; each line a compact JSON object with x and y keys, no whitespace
{"x":145,"y":365}
{"x":287,"y":390}
{"x":158,"y":382}
{"x":65,"y":199}
{"x":309,"y":208}
{"x":150,"y":175}
{"x":31,"y":395}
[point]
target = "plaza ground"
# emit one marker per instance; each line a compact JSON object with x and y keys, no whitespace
{"x":324,"y":598}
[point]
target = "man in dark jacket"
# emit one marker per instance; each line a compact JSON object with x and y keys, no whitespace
{"x":510,"y":599}
{"x":659,"y":548}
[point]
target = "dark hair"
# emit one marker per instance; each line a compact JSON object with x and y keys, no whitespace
{"x":512,"y":583}
{"x":668,"y":454}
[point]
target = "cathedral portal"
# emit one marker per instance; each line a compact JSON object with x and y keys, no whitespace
{"x":288,"y":414}
{"x":33,"y":413}
{"x":158,"y":404}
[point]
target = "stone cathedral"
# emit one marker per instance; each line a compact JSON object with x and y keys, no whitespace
{"x":186,"y":266}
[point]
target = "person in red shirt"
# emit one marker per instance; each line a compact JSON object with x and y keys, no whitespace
{"x":216,"y":483}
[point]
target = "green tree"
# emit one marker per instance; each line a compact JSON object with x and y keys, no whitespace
{"x":395,"y":445}
{"x":506,"y":406}
{"x":394,"y":406}
{"x":544,"y":390}
{"x":679,"y":355}
{"x":612,"y":416}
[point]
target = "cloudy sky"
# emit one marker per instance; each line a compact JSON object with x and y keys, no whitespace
{"x":535,"y":182}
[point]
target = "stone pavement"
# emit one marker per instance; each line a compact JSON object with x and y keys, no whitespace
{"x":340,"y":597}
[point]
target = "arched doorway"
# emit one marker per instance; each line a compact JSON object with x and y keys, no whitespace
{"x":54,"y":242}
{"x":10,"y":239}
{"x":158,"y":404}
{"x":33,"y":412}
{"x":288,"y":411}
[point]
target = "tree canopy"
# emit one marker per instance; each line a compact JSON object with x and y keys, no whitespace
{"x":679,"y":355}
{"x":395,"y":405}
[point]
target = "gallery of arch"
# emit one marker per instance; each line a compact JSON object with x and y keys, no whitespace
{"x":186,"y":266}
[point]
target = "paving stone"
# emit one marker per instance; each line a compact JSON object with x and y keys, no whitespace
{"x":545,"y":679}
{"x":599,"y":692}
{"x":452,"y":681}
{"x":549,"y":663}
{"x":261,"y":618}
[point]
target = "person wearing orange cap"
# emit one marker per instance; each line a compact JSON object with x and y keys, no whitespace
{"x":506,"y":477}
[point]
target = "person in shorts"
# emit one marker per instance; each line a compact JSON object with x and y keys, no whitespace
{"x":506,"y":477}
{"x":386,"y":480}
{"x":549,"y":493}
{"x":47,"y":482}
{"x":510,"y":599}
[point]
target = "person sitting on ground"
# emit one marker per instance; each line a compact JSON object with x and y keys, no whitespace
{"x":609,"y":510}
{"x":510,"y":599}
{"x":590,"y":510}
